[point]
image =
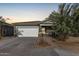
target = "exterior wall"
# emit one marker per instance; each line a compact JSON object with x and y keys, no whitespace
{"x":27,"y":31}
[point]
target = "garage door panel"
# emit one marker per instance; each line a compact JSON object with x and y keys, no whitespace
{"x":31,"y":31}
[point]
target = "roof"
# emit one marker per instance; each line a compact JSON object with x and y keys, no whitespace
{"x":4,"y":23}
{"x":30,"y":23}
{"x":46,"y":23}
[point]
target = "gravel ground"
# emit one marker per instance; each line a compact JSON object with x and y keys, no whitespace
{"x":64,"y":52}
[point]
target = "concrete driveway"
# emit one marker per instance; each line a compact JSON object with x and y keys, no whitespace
{"x":24,"y":47}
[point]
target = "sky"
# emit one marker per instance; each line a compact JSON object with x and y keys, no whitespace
{"x":21,"y":12}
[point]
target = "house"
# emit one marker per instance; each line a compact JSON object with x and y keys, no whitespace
{"x":27,"y":29}
{"x":6,"y":29}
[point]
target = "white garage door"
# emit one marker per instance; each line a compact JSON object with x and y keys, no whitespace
{"x":27,"y":31}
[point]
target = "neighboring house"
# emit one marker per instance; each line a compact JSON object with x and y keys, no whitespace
{"x":27,"y":29}
{"x":6,"y":29}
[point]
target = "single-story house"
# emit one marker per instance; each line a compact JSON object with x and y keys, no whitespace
{"x":6,"y":29}
{"x":27,"y":29}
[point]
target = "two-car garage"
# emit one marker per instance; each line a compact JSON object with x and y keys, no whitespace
{"x":27,"y":29}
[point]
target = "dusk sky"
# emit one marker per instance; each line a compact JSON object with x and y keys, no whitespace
{"x":21,"y":12}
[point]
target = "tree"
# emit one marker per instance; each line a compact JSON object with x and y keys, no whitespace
{"x":2,"y":21}
{"x":75,"y":20}
{"x":64,"y":21}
